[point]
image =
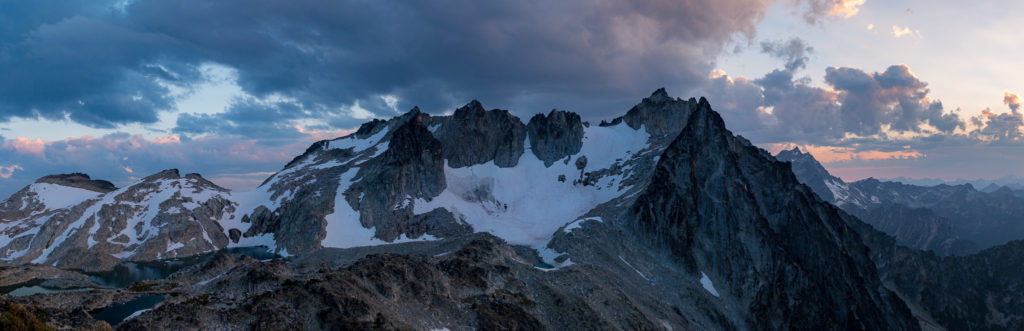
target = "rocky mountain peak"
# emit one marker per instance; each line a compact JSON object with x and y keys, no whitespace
{"x":659,"y":95}
{"x":472,"y":106}
{"x":811,"y":173}
{"x":165,"y":174}
{"x":372,"y":127}
{"x":473,"y":135}
{"x":723,"y":208}
{"x":659,"y":114}
{"x":79,"y":180}
{"x":555,"y":136}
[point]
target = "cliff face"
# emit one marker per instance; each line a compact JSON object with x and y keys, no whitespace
{"x":727,"y":211}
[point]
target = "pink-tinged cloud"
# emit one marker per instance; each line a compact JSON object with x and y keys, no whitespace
{"x":1011,"y":100}
{"x":830,"y":154}
{"x":26,"y":146}
{"x":846,"y":8}
{"x":7,"y":171}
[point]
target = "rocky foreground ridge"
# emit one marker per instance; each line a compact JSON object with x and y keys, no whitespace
{"x":659,"y":219}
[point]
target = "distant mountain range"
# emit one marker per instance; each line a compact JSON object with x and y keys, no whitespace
{"x":947,"y":219}
{"x":658,"y":219}
{"x":987,"y":185}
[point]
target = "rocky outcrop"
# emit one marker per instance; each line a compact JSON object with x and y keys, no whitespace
{"x":482,"y":284}
{"x":412,"y":167}
{"x":725,"y":210}
{"x":79,"y":180}
{"x":660,"y":114}
{"x":17,"y":316}
{"x":473,"y":135}
{"x":555,"y":136}
{"x":811,"y":173}
{"x":50,"y":277}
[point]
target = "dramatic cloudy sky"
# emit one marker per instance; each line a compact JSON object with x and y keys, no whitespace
{"x":234,"y":89}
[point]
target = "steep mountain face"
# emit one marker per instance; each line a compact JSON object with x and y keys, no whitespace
{"x":982,"y":291}
{"x":555,"y":136}
{"x":813,"y":174}
{"x":926,"y":218}
{"x":725,"y":208}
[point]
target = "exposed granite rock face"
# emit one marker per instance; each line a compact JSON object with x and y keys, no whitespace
{"x":982,"y":291}
{"x":555,"y":136}
{"x":724,"y":208}
{"x":412,"y":167}
{"x":79,"y":180}
{"x":660,"y":115}
{"x":811,"y":173}
{"x":473,"y":135}
{"x":376,"y":171}
{"x":301,"y":198}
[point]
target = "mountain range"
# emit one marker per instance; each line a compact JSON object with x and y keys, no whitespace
{"x":659,"y":219}
{"x":946,"y":219}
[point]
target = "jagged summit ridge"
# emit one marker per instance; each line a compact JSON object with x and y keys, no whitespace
{"x":714,"y":201}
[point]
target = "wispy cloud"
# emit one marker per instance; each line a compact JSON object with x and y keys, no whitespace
{"x":846,"y":8}
{"x":900,"y":32}
{"x":7,"y":171}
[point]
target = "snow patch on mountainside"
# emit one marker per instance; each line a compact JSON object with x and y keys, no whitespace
{"x":707,"y":284}
{"x":840,"y":190}
{"x":357,"y":145}
{"x":344,"y":229}
{"x":343,"y":226}
{"x":527,"y":204}
{"x":55,"y":196}
{"x":579,"y":223}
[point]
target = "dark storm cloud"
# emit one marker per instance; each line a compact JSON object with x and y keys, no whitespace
{"x":509,"y":53}
{"x":247,"y":118}
{"x":894,"y":97}
{"x":88,"y":69}
{"x":105,"y":64}
{"x":857,"y":103}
